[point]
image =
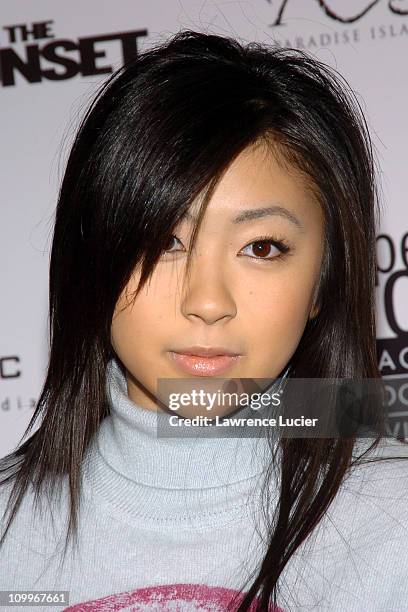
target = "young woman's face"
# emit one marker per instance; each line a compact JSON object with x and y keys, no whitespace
{"x":243,"y":295}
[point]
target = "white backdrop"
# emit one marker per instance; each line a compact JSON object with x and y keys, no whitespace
{"x":53,"y":55}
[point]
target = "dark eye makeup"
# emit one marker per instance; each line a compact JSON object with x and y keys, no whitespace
{"x":258,"y":244}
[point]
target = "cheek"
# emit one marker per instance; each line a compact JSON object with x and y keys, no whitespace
{"x":126,"y":327}
{"x":277,"y":310}
{"x":132,"y":341}
{"x":283,"y":299}
{"x":135,"y":326}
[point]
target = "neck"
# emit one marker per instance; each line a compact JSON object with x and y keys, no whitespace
{"x":131,"y":467}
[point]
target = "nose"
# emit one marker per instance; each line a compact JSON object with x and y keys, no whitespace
{"x":207,"y":296}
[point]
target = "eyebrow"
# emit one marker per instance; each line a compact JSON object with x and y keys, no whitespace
{"x":257,"y":213}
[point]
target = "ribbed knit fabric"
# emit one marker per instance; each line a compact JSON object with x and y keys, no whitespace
{"x":176,"y":524}
{"x":199,"y":481}
{"x":165,"y":523}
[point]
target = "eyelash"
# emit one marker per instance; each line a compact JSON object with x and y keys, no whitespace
{"x":279,"y":243}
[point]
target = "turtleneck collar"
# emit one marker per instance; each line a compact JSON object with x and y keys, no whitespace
{"x":141,"y":474}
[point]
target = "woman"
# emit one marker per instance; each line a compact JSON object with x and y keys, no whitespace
{"x":250,"y":168}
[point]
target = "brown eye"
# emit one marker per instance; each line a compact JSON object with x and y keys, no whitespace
{"x":261,"y":248}
{"x":266,"y":248}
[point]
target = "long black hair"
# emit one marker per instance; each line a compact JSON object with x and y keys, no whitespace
{"x":160,"y":132}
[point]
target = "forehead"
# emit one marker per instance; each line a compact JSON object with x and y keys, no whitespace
{"x":256,"y":185}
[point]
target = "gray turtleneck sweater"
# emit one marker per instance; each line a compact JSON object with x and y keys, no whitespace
{"x":176,"y":524}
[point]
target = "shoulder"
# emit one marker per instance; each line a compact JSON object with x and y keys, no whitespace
{"x":369,"y":515}
{"x":357,"y":556}
{"x":383,"y":470}
{"x":37,"y":520}
{"x":378,"y":483}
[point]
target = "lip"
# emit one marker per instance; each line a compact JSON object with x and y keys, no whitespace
{"x":202,"y":351}
{"x":204,"y":365}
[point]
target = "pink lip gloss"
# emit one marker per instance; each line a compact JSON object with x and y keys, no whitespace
{"x":204,"y":366}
